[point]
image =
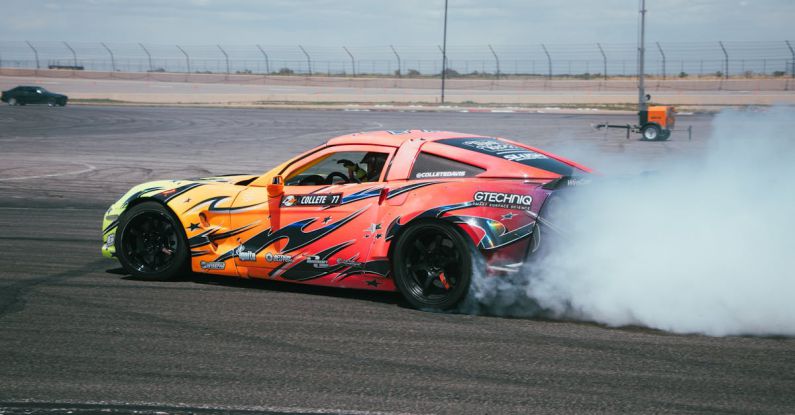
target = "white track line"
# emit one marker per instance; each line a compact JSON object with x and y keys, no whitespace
{"x":86,"y":170}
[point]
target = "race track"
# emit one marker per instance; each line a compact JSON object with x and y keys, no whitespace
{"x":75,"y":331}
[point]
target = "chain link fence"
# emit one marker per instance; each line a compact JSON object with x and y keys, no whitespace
{"x":667,"y":60}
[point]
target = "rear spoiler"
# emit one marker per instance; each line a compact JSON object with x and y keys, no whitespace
{"x":566,"y":181}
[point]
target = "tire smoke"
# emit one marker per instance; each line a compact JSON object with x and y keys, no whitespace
{"x":707,"y":246}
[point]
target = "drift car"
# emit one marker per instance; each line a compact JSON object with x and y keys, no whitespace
{"x":406,"y":211}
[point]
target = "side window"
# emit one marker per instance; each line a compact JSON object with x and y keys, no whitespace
{"x":339,"y":168}
{"x":429,"y":166}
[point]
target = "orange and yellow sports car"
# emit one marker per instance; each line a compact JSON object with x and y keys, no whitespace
{"x":406,"y":211}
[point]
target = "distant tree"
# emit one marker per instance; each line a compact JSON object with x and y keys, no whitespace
{"x":779,"y":74}
{"x":683,"y":74}
{"x":413,"y":72}
{"x":285,"y":71}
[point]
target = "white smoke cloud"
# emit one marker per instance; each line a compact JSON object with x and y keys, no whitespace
{"x":707,"y":246}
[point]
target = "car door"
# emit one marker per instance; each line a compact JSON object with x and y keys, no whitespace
{"x":322,"y":227}
{"x":25,"y":95}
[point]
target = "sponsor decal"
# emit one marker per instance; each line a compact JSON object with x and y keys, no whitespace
{"x":316,"y":261}
{"x":213,"y":265}
{"x":329,"y":199}
{"x":525,"y":156}
{"x":349,"y":262}
{"x":503,"y":200}
{"x":278,"y":257}
{"x":246,"y":256}
{"x":436,"y":174}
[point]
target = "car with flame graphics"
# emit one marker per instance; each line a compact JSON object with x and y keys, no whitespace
{"x":406,"y":211}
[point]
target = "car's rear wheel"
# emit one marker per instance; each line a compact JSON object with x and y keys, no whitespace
{"x":150,"y":243}
{"x":13,"y":102}
{"x":432,"y":265}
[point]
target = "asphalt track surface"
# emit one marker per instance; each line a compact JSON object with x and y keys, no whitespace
{"x":76,"y":334}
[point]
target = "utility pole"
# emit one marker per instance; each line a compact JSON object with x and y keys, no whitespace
{"x":267,"y":61}
{"x":308,"y":59}
{"x":662,"y":53}
{"x":74,"y":55}
{"x":148,"y":55}
{"x":604,"y":59}
{"x":496,"y":59}
{"x":398,"y":59}
{"x":642,"y":105}
{"x":444,"y":50}
{"x":353,"y":61}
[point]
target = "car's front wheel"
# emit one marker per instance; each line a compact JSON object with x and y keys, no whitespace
{"x":51,"y":103}
{"x":150,"y":243}
{"x":432,"y":265}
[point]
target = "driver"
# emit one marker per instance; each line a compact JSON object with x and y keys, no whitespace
{"x":374,"y":162}
{"x":355,"y":173}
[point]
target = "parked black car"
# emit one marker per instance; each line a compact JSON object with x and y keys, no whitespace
{"x":23,"y":95}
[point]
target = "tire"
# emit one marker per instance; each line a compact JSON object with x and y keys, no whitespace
{"x":665,"y":135}
{"x":13,"y":102}
{"x":51,"y":103}
{"x":432,"y":265}
{"x":651,"y":132}
{"x":151,"y":244}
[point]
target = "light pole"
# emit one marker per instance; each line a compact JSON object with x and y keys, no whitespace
{"x":642,"y":106}
{"x":444,"y":50}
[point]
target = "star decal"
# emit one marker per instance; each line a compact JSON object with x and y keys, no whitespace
{"x":326,"y":219}
{"x":373,"y":283}
{"x":508,"y":216}
{"x":378,"y":236}
{"x":187,"y":200}
{"x":193,"y":226}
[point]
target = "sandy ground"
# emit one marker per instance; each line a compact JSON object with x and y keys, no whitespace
{"x":308,"y":91}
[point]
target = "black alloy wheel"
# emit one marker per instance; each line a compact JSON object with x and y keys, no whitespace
{"x":432,"y":264}
{"x":150,"y":243}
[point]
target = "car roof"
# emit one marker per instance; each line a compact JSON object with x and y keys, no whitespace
{"x":395,"y":138}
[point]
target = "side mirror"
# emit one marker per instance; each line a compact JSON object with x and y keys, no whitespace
{"x":276,"y":189}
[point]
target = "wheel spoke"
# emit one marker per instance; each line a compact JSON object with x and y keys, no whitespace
{"x":426,"y":286}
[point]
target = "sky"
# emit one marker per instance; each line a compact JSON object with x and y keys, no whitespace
{"x":384,"y":22}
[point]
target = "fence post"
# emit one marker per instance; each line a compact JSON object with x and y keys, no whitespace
{"x":604,"y":59}
{"x":497,"y":59}
{"x":226,"y":57}
{"x":353,"y":61}
{"x":35,"y":53}
{"x":726,"y":56}
{"x":549,"y":61}
{"x":112,"y":59}
{"x":187,"y":58}
{"x":267,"y":62}
{"x":663,"y":58}
{"x":308,"y":59}
{"x":148,"y":55}
{"x":791,"y":51}
{"x":74,"y":55}
{"x":398,"y":60}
